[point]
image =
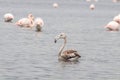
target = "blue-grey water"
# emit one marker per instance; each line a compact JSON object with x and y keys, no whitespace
{"x":28,"y":55}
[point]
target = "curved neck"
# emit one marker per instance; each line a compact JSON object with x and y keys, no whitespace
{"x":62,"y":47}
{"x":31,"y":18}
{"x":31,"y":22}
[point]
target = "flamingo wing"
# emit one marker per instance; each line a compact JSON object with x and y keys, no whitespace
{"x":68,"y":54}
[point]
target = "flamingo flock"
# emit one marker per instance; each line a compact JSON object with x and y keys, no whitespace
{"x":114,"y":25}
{"x":68,"y":55}
{"x":28,"y":22}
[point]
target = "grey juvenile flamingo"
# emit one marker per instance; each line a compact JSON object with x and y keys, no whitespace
{"x":67,"y":55}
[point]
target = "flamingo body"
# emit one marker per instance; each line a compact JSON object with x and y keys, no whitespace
{"x":39,"y":23}
{"x":69,"y":55}
{"x":117,"y":19}
{"x":55,"y":5}
{"x":8,"y":17}
{"x":113,"y":26}
{"x":92,"y":7}
{"x":26,"y":22}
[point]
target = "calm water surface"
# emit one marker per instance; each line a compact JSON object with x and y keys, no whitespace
{"x":28,"y":55}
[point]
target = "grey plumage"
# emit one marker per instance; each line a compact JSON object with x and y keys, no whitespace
{"x":67,"y":55}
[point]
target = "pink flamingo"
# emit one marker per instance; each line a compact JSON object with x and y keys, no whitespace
{"x":55,"y":5}
{"x":113,"y":26}
{"x":92,"y":7}
{"x":117,"y":18}
{"x":8,"y":17}
{"x":26,"y":22}
{"x":38,"y":23}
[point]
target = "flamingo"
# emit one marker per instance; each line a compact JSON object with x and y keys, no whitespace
{"x":8,"y":17}
{"x":88,"y":0}
{"x":55,"y":5}
{"x":117,"y":18}
{"x":26,"y":22}
{"x":67,"y":55}
{"x":92,"y":6}
{"x":113,"y":26}
{"x":114,"y":1}
{"x":39,"y":23}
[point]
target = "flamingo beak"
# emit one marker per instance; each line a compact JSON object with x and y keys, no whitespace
{"x":56,"y":38}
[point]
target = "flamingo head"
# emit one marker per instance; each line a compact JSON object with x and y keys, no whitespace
{"x":30,"y":16}
{"x":60,"y":36}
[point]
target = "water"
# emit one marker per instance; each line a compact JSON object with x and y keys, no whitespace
{"x":28,"y":55}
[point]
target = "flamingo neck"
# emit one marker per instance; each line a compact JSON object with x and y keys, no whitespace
{"x":62,"y":47}
{"x":31,"y":22}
